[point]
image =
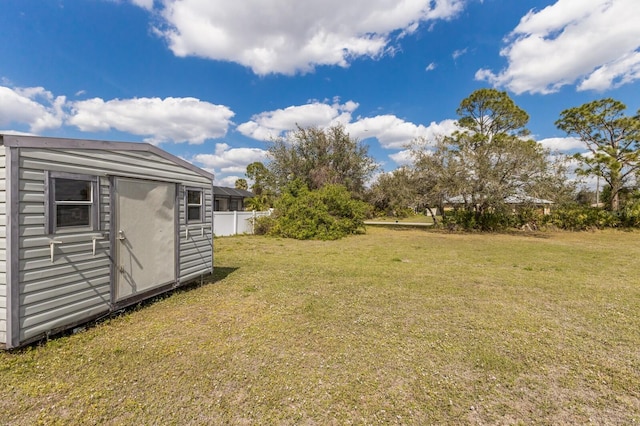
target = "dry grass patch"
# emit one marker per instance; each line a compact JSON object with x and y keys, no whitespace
{"x":396,"y":326}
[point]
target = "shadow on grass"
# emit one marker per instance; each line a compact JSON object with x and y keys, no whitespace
{"x":219,"y":274}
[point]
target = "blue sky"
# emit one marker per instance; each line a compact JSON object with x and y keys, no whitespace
{"x":212,"y":80}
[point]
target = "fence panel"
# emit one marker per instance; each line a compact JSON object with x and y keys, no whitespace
{"x":234,"y":223}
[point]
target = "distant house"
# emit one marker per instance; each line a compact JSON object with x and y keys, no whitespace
{"x":524,"y":200}
{"x":514,"y":201}
{"x":229,"y":199}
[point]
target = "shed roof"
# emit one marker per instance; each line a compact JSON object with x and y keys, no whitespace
{"x":232,"y":192}
{"x":62,"y":143}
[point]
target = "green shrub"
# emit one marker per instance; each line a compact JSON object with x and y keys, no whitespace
{"x":581,"y":218}
{"x":469,"y":220}
{"x":630,"y":214}
{"x":328,"y":213}
{"x":262,"y":225}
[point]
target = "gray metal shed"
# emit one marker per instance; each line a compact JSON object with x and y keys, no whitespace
{"x":87,"y":227}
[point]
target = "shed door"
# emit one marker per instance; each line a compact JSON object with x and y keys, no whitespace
{"x":144,"y":235}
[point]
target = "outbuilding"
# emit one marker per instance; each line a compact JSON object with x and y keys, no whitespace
{"x":88,"y":227}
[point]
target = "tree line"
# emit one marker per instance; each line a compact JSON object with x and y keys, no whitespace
{"x":488,"y":161}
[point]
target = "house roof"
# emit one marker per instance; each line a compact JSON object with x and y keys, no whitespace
{"x":232,"y":192}
{"x":512,"y":199}
{"x":525,"y":199}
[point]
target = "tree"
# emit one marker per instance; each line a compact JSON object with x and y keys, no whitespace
{"x":321,"y":157}
{"x":262,"y":187}
{"x":436,"y":174}
{"x":490,"y":158}
{"x":612,"y":139}
{"x":393,"y":193}
{"x":241,"y":184}
{"x":263,"y":180}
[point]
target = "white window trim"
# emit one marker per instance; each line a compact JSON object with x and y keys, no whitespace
{"x":50,"y":202}
{"x":187,"y":205}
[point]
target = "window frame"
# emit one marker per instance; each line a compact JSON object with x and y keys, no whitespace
{"x":52,"y":204}
{"x":187,"y":205}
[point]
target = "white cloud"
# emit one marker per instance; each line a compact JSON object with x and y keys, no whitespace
{"x":229,"y":160}
{"x":160,"y":120}
{"x":291,"y":36}
{"x":457,"y":53}
{"x":390,"y":131}
{"x":393,"y":132}
{"x":432,"y":66}
{"x":272,"y":124}
{"x":562,"y":144}
{"x":402,"y":158}
{"x":145,"y":4}
{"x":614,"y":74}
{"x":32,"y":106}
{"x":590,"y":42}
{"x":228,"y":181}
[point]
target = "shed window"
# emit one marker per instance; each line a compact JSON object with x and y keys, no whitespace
{"x":73,"y":202}
{"x":194,"y":205}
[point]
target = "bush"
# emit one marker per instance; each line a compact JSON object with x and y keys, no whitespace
{"x":581,"y":218}
{"x":630,"y":214}
{"x":328,"y":213}
{"x":469,"y":220}
{"x":263,"y":225}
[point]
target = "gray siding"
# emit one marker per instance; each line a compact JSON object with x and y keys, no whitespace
{"x":196,"y":247}
{"x":3,"y":248}
{"x":76,"y":285}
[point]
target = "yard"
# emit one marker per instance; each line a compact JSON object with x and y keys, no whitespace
{"x":399,"y":326}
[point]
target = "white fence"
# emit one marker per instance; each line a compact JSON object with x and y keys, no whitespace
{"x":233,"y":223}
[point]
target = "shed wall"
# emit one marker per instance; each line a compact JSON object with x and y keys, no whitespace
{"x":77,"y":284}
{"x":196,"y":245}
{"x":3,"y":247}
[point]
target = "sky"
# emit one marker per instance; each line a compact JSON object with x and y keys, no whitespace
{"x":213,"y":81}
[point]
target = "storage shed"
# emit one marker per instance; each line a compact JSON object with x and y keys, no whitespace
{"x":87,"y":227}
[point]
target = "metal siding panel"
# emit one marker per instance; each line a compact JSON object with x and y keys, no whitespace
{"x":196,"y":251}
{"x":66,"y":268}
{"x":43,"y":240}
{"x":3,"y":248}
{"x":59,"y":319}
{"x":84,"y":247}
{"x":60,"y":280}
{"x":13,"y":231}
{"x":34,"y":311}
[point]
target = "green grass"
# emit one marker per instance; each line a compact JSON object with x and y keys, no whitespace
{"x":391,"y":327}
{"x":419,"y":218}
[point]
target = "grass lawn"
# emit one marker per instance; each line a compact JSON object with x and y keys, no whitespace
{"x":396,"y":327}
{"x":419,"y":218}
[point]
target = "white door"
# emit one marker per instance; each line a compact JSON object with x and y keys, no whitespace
{"x":145,"y":235}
